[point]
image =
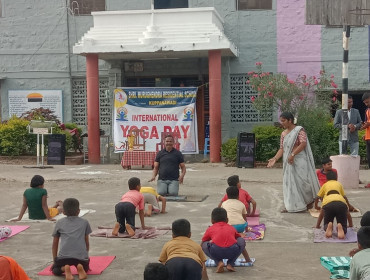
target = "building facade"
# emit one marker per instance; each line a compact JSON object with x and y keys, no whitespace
{"x":43,"y":46}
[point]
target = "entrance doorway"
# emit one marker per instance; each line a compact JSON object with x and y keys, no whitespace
{"x":202,"y":103}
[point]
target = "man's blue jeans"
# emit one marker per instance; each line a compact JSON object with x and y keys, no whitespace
{"x":168,"y":187}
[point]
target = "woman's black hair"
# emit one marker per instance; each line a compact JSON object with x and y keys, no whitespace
{"x":288,"y":116}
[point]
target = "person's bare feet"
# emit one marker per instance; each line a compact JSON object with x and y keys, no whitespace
{"x":341,"y":234}
{"x":129,"y":230}
{"x":283,"y":210}
{"x":230,"y":268}
{"x":68,"y":273}
{"x":220,"y":267}
{"x":115,"y":229}
{"x":329,"y":230}
{"x":81,"y":272}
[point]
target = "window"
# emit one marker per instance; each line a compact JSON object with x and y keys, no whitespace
{"x":254,"y":4}
{"x":170,"y":4}
{"x":85,"y":7}
{"x":242,"y":110}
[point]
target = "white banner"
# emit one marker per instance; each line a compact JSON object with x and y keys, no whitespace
{"x":156,"y":111}
{"x":21,"y":101}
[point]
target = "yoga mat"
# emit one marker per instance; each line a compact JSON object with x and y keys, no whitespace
{"x":319,"y":236}
{"x":253,"y":221}
{"x":149,"y":233}
{"x":187,"y":198}
{"x":255,"y":232}
{"x":15,"y":230}
{"x":315,"y":213}
{"x":338,"y":266}
{"x":97,"y":265}
{"x":25,"y":217}
{"x":238,"y":262}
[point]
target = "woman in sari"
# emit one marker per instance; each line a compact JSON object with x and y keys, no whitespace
{"x":300,"y":183}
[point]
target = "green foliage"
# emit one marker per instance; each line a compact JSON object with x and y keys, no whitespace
{"x":278,"y":91}
{"x":362,"y":145}
{"x":322,"y":135}
{"x":267,"y":141}
{"x":15,"y":139}
{"x":73,"y":139}
{"x":228,"y":150}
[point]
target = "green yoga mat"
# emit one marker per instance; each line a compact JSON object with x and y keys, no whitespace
{"x":338,"y":266}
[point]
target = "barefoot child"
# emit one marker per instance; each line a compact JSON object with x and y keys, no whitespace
{"x":236,"y":212}
{"x":125,"y":209}
{"x":151,"y":198}
{"x":221,"y":241}
{"x":73,"y":233}
{"x":243,"y":195}
{"x":334,"y":205}
{"x":35,"y":199}
{"x":182,"y":256}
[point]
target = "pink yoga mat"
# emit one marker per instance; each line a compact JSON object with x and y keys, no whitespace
{"x":97,"y":265}
{"x":15,"y":230}
{"x":253,"y":221}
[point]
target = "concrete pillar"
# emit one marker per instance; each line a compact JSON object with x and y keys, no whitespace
{"x":214,"y":63}
{"x":348,"y":170}
{"x":93,"y":117}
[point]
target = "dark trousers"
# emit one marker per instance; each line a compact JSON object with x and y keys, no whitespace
{"x":184,"y":269}
{"x":59,"y":263}
{"x":217,"y":253}
{"x":338,"y":210}
{"x":368,"y":152}
{"x":125,"y":213}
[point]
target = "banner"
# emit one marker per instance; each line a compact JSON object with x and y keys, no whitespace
{"x":156,"y":112}
{"x":21,"y":101}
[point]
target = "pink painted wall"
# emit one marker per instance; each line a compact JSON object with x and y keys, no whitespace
{"x":298,"y":45}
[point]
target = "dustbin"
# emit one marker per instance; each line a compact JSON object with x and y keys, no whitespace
{"x":246,"y":148}
{"x":57,"y":149}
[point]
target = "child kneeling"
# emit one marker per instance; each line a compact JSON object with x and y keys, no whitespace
{"x":221,"y":241}
{"x":182,"y":256}
{"x":73,"y":233}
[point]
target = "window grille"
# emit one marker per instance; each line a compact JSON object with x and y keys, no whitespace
{"x":79,"y":108}
{"x":242,"y":109}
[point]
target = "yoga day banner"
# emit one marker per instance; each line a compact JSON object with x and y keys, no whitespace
{"x":155,"y":112}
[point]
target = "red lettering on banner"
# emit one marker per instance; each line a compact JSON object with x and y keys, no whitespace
{"x":185,"y":130}
{"x":144,"y":132}
{"x":167,"y":129}
{"x":154,"y":133}
{"x":176,"y":132}
{"x":124,"y":130}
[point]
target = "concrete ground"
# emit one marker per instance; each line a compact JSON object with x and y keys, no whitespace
{"x":286,"y":252}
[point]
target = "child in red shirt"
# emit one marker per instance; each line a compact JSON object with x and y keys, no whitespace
{"x":243,"y":195}
{"x":326,"y":167}
{"x":125,"y":209}
{"x":221,"y":241}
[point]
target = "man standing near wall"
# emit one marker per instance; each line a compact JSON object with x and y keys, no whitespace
{"x":353,"y":126}
{"x":167,"y":163}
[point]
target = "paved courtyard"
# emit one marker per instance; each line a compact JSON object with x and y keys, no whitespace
{"x":286,"y":252}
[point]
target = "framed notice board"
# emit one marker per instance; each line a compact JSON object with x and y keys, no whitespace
{"x":246,"y":150}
